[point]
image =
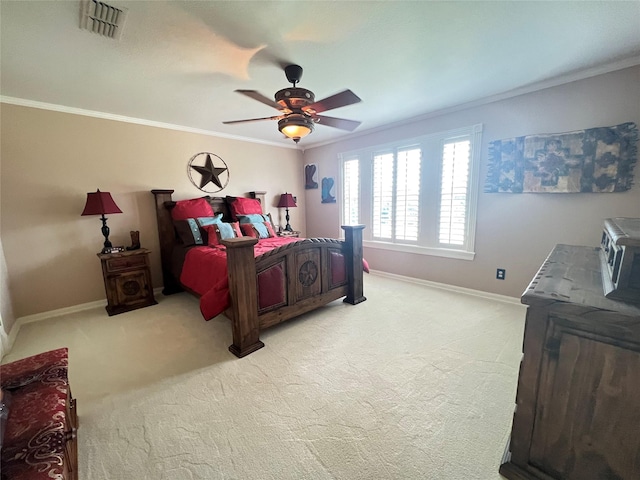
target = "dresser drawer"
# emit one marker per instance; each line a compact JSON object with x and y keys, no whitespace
{"x":118,"y":264}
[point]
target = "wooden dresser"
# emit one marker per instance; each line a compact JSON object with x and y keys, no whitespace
{"x":577,"y":411}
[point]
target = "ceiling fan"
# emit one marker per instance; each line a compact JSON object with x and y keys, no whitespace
{"x":299,"y":110}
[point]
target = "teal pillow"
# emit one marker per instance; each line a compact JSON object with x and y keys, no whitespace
{"x":261,"y":229}
{"x":253,"y":218}
{"x":258,"y":230}
{"x":226,"y":231}
{"x":204,"y":221}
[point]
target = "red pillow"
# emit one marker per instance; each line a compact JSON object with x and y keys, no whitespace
{"x":194,"y":208}
{"x":250,"y":230}
{"x":213,"y":233}
{"x":272,"y":232}
{"x":243,"y":206}
{"x":236,"y":228}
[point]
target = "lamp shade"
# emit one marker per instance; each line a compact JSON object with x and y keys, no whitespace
{"x":286,"y":200}
{"x":295,"y":126}
{"x":296,"y":131}
{"x":100,"y":203}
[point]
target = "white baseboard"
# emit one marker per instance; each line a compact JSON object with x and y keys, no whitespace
{"x":38,"y":317}
{"x":451,"y":288}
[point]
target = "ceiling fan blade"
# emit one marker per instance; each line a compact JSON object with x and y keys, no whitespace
{"x":341,"y":123}
{"x":338,"y":100}
{"x":276,"y":117}
{"x":259,"y":97}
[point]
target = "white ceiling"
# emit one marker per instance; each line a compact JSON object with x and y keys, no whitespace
{"x":179,"y":62}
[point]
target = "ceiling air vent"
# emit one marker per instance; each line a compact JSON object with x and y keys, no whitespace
{"x":101,"y":18}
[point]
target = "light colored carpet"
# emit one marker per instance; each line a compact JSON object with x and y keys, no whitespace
{"x":415,"y":383}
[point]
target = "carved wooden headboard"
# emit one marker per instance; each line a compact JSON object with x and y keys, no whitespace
{"x":167,"y":232}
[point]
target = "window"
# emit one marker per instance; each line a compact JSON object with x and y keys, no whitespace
{"x":396,"y":195}
{"x":350,"y":192}
{"x":382,"y":195}
{"x":454,"y":192}
{"x":407,"y":194}
{"x":418,"y":195}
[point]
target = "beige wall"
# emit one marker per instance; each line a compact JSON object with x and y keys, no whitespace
{"x":50,"y":160}
{"x":514,"y":231}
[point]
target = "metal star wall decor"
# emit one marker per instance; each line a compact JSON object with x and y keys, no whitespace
{"x":216,"y":173}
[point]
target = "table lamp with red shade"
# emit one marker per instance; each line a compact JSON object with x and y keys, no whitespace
{"x":101,"y":203}
{"x":287,"y":201}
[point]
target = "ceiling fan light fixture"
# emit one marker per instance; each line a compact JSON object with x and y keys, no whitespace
{"x":299,"y":110}
{"x":295,"y":126}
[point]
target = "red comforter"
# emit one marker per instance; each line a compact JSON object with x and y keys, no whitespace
{"x":205,"y":272}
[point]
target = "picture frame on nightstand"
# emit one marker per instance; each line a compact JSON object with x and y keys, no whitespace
{"x":286,"y":233}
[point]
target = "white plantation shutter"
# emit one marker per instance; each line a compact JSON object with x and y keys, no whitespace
{"x":454,"y":190}
{"x":416,"y":195}
{"x":351,"y":191}
{"x":408,"y":195}
{"x":383,"y":195}
{"x":396,"y":194}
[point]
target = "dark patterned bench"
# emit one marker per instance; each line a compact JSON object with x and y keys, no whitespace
{"x":39,"y":439}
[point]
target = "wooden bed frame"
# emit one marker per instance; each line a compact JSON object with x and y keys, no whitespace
{"x":307,"y":264}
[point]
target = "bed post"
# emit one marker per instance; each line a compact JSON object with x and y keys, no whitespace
{"x":243,"y":289}
{"x":166,"y":236}
{"x":353,"y":256}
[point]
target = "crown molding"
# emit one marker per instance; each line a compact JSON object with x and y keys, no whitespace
{"x":138,"y":121}
{"x":534,"y":87}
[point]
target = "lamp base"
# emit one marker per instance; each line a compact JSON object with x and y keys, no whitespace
{"x":107,"y":246}
{"x":287,"y":228}
{"x":105,"y":232}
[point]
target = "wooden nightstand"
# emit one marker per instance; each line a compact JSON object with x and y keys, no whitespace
{"x":127,"y":280}
{"x":285,"y":233}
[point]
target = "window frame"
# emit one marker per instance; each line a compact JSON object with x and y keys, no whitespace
{"x":430,"y":192}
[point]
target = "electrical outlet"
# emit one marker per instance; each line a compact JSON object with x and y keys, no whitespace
{"x":501,"y":273}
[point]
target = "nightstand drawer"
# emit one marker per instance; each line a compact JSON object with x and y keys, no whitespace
{"x":123,"y":263}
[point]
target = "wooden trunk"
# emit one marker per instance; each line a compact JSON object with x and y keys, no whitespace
{"x":578,"y":400}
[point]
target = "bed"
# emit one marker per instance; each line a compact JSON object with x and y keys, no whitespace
{"x":281,"y":280}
